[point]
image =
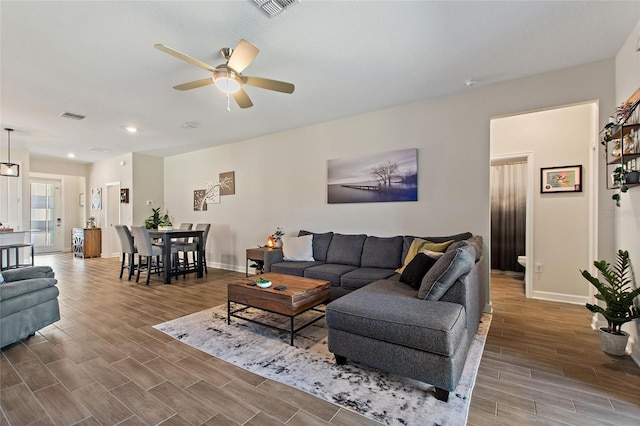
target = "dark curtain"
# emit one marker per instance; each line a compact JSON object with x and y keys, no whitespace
{"x":508,"y":215}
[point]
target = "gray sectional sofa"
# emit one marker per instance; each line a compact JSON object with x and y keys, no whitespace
{"x":422,"y":332}
{"x":28,"y":302}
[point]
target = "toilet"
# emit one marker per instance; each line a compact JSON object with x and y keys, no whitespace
{"x":522,"y":260}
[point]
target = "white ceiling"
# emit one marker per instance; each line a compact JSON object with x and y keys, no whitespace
{"x":345,"y":58}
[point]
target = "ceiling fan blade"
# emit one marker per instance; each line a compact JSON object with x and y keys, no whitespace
{"x":242,"y":98}
{"x":194,"y":84}
{"x":242,"y":56}
{"x":184,"y":57}
{"x":265,"y":83}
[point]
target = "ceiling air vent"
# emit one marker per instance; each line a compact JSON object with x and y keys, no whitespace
{"x":98,"y":149}
{"x":273,"y":7}
{"x":73,"y":116}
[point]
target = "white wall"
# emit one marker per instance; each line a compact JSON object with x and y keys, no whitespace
{"x":627,"y":216}
{"x":281,"y":178}
{"x":147,"y":185}
{"x":561,"y":221}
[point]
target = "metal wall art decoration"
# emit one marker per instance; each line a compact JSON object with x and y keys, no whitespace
{"x":383,"y":177}
{"x":124,"y":195}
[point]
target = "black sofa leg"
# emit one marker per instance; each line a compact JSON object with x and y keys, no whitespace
{"x":442,"y":395}
{"x":340,"y":360}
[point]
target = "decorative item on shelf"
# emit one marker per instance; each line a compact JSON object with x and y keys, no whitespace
{"x":616,"y":152}
{"x":8,"y":168}
{"x":623,"y":111}
{"x":618,"y":294}
{"x":632,"y":176}
{"x":628,"y":145}
{"x":91,"y":222}
{"x":277,"y":237}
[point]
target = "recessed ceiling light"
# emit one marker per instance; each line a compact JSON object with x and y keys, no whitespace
{"x":131,"y":129}
{"x":71,"y":155}
{"x":471,"y":82}
{"x":190,"y":125}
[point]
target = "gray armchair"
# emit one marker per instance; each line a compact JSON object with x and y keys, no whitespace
{"x":28,"y":302}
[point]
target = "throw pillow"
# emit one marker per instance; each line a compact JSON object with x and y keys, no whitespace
{"x":416,"y":270}
{"x":435,"y":254}
{"x":298,"y":248}
{"x":445,"y":272}
{"x":419,"y":244}
{"x":1,"y":278}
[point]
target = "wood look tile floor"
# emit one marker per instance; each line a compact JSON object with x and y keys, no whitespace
{"x":103,"y":363}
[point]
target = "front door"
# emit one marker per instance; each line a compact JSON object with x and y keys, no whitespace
{"x":46,"y":215}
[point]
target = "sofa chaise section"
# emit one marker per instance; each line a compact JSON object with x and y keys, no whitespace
{"x":28,"y":302}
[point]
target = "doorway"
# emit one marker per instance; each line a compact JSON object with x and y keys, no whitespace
{"x":511,"y":218}
{"x":46,"y":215}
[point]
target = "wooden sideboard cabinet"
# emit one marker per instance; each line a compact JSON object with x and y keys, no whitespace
{"x":87,"y":242}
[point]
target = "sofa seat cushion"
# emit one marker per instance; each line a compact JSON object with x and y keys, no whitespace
{"x":346,"y":249}
{"x":27,"y":300}
{"x":363,"y":276}
{"x":292,"y":267}
{"x":329,"y":271}
{"x":403,"y":319}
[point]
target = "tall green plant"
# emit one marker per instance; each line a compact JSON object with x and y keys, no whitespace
{"x":153,"y":221}
{"x":616,"y":292}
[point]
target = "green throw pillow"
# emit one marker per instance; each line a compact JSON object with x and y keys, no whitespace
{"x":417,"y":245}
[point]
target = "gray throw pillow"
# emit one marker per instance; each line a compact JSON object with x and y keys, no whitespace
{"x":446,"y":271}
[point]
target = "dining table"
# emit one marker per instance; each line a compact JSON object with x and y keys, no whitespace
{"x":171,"y":234}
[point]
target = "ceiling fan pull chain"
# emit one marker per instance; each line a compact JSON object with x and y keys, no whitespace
{"x":228,"y":106}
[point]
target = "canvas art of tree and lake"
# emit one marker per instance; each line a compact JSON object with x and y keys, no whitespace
{"x":383,"y":177}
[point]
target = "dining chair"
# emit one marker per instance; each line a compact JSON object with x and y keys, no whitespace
{"x":147,"y":250}
{"x":128,"y":250}
{"x":191,"y":247}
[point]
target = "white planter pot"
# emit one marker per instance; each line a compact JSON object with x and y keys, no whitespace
{"x":613,"y":344}
{"x":165,"y":228}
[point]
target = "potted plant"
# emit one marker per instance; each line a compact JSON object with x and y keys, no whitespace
{"x":618,"y":297}
{"x":619,"y":178}
{"x":165,"y":223}
{"x":277,"y":237}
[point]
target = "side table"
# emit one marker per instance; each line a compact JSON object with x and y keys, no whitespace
{"x":257,"y":255}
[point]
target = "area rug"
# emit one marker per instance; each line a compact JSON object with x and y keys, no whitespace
{"x":310,"y":367}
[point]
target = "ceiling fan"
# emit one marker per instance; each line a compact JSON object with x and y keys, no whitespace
{"x":228,"y":76}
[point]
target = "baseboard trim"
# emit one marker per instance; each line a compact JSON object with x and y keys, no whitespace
{"x":559,"y":297}
{"x":226,"y":267}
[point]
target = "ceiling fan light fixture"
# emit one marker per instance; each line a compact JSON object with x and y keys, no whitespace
{"x":226,"y":80}
{"x":8,"y":168}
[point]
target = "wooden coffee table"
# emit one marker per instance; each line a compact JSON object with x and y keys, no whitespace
{"x":301,"y":295}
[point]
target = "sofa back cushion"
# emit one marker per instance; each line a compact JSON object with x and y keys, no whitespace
{"x":346,"y":249}
{"x":320,"y":244}
{"x":447,"y":269}
{"x":382,"y":252}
